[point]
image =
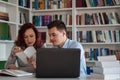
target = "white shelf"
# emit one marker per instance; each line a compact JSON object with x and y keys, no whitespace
{"x":53,"y":10}
{"x":14,"y":23}
{"x":3,"y":59}
{"x":6,"y":41}
{"x":98,"y":26}
{"x":24,"y":8}
{"x":98,"y":8}
{"x":98,"y":43}
{"x":8,"y":3}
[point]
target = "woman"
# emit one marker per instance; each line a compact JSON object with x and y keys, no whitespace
{"x":27,"y":36}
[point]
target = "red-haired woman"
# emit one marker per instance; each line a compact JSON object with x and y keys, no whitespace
{"x":27,"y":36}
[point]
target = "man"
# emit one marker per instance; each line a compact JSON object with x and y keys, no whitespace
{"x":58,"y":36}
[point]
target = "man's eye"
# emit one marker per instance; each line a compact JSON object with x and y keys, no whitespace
{"x":54,"y":35}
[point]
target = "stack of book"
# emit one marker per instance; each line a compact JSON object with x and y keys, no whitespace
{"x":4,"y":16}
{"x":107,"y":68}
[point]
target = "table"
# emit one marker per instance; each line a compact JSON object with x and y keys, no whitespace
{"x":33,"y":78}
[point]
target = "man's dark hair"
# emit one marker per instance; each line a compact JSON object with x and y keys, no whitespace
{"x":58,"y":24}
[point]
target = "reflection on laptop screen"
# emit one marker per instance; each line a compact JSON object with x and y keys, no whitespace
{"x":57,"y":63}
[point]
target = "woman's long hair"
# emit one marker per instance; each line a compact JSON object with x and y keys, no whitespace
{"x":20,"y":39}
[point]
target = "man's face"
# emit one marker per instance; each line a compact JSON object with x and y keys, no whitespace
{"x":56,"y":37}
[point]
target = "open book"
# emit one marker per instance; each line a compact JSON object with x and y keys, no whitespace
{"x":15,"y":73}
{"x":28,"y":52}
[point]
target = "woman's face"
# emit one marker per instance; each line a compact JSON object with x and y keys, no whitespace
{"x":29,"y":37}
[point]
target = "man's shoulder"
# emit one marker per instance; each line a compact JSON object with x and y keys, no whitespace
{"x":74,"y":43}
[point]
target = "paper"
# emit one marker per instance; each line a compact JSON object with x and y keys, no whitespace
{"x":15,"y":72}
{"x":28,"y":52}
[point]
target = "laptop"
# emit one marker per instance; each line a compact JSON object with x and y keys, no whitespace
{"x":57,"y":63}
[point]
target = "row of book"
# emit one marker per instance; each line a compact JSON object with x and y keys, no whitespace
{"x":51,"y":4}
{"x":100,"y":36}
{"x":94,"y":53}
{"x":59,"y":4}
{"x":24,"y":3}
{"x":96,"y":3}
{"x":106,"y":68}
{"x":98,"y":18}
{"x":43,"y":20}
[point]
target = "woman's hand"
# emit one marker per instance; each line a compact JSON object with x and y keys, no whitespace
{"x":12,"y":66}
{"x":32,"y":62}
{"x":16,"y":50}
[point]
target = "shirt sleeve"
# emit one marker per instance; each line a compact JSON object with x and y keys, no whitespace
{"x":76,"y":44}
{"x":11,"y":60}
{"x":18,"y":62}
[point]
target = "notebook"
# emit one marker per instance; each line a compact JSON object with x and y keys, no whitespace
{"x":57,"y":63}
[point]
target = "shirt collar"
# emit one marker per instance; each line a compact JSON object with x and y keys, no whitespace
{"x":66,"y":43}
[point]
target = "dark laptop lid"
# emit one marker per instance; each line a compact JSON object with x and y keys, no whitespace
{"x":57,"y":63}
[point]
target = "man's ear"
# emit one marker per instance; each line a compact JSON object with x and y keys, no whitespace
{"x":64,"y":32}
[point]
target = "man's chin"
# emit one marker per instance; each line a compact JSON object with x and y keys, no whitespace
{"x":54,"y":44}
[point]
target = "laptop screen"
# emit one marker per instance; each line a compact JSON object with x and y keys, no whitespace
{"x":57,"y":63}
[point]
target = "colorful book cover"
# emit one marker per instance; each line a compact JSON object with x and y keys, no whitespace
{"x":4,"y":31}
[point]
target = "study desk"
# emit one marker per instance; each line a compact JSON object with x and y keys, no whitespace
{"x":33,"y":78}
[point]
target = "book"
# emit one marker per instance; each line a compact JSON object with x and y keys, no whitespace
{"x":107,"y":58}
{"x":105,"y":77}
{"x":28,"y":52}
{"x":107,"y":67}
{"x":118,"y":55}
{"x":4,"y":31}
{"x":5,"y":0}
{"x":107,"y":64}
{"x":108,"y":70}
{"x":15,"y":73}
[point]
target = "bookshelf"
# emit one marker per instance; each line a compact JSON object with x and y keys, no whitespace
{"x":111,"y":44}
{"x":93,"y":47}
{"x":95,"y":23}
{"x":13,"y":9}
{"x":41,"y":16}
{"x":67,"y":12}
{"x":91,"y":8}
